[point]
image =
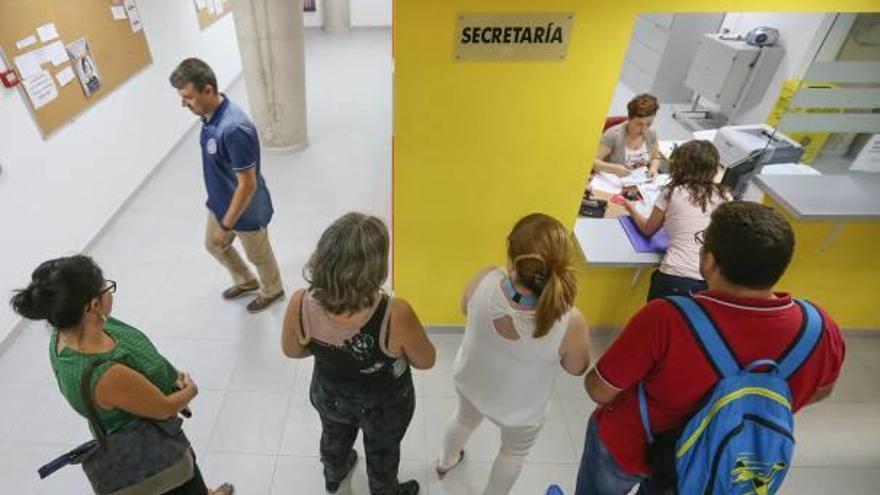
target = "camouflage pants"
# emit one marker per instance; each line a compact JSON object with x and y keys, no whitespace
{"x":383,"y":418}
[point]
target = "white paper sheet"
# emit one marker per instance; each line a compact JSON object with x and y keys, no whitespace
{"x":134,"y":16}
{"x":55,"y":53}
{"x":47,"y":32}
{"x":29,"y":63}
{"x":789,"y":169}
{"x":26,"y":42}
{"x":606,"y":182}
{"x":635,"y":177}
{"x":40,"y":89}
{"x":707,"y":135}
{"x":118,"y":12}
{"x":65,"y":76}
{"x":868,"y":160}
{"x":201,"y":4}
{"x":650,"y":191}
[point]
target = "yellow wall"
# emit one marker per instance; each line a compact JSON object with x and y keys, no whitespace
{"x":478,"y":145}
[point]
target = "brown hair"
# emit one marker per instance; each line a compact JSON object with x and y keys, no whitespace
{"x":540,"y":250}
{"x":643,"y":105}
{"x":195,"y":71}
{"x":349,"y":265}
{"x":693,"y":166}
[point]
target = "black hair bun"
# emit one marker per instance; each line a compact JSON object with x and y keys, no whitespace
{"x":26,"y":302}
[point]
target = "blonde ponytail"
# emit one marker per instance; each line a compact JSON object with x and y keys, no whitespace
{"x":541,"y":253}
{"x":555,"y":300}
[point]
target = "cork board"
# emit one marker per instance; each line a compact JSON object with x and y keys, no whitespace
{"x":117,"y":49}
{"x":210,"y":11}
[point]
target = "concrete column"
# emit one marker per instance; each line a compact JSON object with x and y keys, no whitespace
{"x":270,"y":39}
{"x":337,"y":15}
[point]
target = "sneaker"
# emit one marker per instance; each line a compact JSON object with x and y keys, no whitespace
{"x":442,"y":470}
{"x":333,"y":486}
{"x":237,"y":291}
{"x":261,"y":302}
{"x":410,"y":487}
{"x":224,"y":489}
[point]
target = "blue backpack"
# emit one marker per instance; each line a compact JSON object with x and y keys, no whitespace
{"x":741,"y":441}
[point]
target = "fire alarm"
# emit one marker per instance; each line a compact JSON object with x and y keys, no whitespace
{"x":9,"y":78}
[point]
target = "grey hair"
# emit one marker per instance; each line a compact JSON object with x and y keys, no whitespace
{"x":350,"y":264}
{"x":195,"y":71}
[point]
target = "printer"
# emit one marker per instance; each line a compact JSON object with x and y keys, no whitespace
{"x":745,"y":149}
{"x":736,"y":142}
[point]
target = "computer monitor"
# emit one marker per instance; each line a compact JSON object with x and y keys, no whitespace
{"x":737,"y":175}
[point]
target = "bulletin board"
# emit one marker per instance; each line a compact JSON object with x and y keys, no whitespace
{"x":111,"y":31}
{"x":210,"y":11}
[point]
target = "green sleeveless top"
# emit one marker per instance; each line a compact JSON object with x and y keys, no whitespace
{"x":133,"y":349}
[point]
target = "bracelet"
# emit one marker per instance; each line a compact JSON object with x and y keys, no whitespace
{"x":225,"y":228}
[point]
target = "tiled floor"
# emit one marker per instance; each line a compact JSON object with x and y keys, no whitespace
{"x":252,"y":422}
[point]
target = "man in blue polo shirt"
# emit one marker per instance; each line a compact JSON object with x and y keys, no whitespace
{"x":238,"y":202}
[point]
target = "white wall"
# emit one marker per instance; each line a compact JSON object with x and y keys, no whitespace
{"x":364,"y":13}
{"x":800,"y":35}
{"x":57,"y":193}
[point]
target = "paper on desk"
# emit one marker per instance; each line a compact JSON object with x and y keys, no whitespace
{"x":707,"y":135}
{"x":789,"y":169}
{"x":47,"y":32}
{"x":868,"y":160}
{"x":605,"y":182}
{"x":650,"y":191}
{"x":26,"y":42}
{"x":65,"y":76}
{"x":635,"y":177}
{"x":118,"y":12}
{"x":40,"y":89}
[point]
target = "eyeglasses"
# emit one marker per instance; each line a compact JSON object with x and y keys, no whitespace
{"x":699,"y":237}
{"x":111,"y":287}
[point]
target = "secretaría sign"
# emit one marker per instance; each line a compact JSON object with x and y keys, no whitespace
{"x":521,"y":37}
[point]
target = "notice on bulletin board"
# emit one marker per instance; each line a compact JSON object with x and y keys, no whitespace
{"x":540,"y":37}
{"x":84,"y":66}
{"x":41,"y":89}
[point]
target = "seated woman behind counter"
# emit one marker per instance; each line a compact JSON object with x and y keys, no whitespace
{"x":631,"y":144}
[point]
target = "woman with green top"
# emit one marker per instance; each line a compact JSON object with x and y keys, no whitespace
{"x":135,"y":381}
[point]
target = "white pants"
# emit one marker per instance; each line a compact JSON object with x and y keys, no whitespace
{"x":515,"y":444}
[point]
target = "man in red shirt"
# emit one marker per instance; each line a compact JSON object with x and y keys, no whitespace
{"x":745,"y":250}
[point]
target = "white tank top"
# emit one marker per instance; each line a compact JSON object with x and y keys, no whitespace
{"x":509,"y":381}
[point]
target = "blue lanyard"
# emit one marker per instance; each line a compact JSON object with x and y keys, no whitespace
{"x":518,"y":298}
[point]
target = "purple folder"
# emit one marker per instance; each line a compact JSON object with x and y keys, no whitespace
{"x":658,"y":243}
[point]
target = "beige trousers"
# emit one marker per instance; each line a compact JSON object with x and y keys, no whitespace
{"x":259,"y":252}
{"x":516,"y":441}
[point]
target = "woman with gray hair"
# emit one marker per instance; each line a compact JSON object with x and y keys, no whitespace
{"x":364,"y":342}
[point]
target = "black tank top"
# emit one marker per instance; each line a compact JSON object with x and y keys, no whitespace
{"x":359,"y":364}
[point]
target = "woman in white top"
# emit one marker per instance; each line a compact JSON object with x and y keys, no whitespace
{"x":521,"y":325}
{"x":683,"y":209}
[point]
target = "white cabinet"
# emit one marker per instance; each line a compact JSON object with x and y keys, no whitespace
{"x":660,"y":52}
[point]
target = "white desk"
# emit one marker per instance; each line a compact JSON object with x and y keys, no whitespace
{"x":854,"y":196}
{"x":835,"y":198}
{"x":604,"y":243}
